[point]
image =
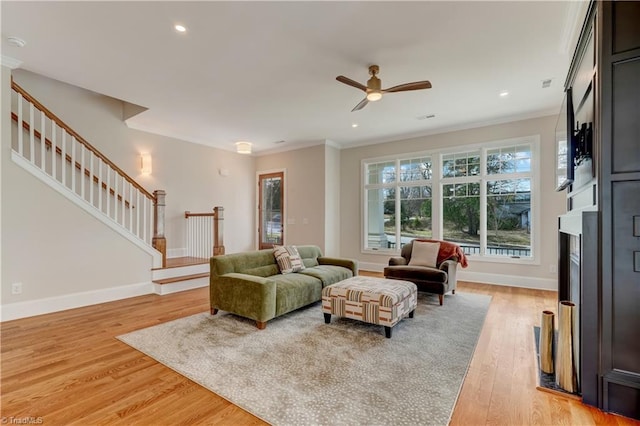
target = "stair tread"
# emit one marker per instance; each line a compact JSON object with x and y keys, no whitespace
{"x":181,"y":278}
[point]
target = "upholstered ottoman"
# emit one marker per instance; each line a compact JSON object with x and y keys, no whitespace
{"x":373,"y":300}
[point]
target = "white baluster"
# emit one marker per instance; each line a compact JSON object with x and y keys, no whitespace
{"x":144,"y":219}
{"x":138,"y":212}
{"x":199,"y":237}
{"x":130,"y":207}
{"x":124,"y":200}
{"x":73,"y":163}
{"x":108,"y":190}
{"x":115,"y":195}
{"x":54,"y":150}
{"x":82,"y":169}
{"x":32,"y":137}
{"x":43,"y":141}
{"x":189,"y":231}
{"x":91,"y":178}
{"x":99,"y":183}
{"x":200,"y":234}
{"x":20,"y":128}
{"x":64,"y":157}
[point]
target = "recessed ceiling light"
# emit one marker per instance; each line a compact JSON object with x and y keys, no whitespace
{"x":504,"y":93}
{"x":354,"y":125}
{"x":180,"y":28}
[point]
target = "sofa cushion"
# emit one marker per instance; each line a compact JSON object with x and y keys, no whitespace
{"x":295,"y":290}
{"x":424,"y":254}
{"x":416,"y":273}
{"x":328,"y":274}
{"x":288,"y":259}
{"x":309,"y":255}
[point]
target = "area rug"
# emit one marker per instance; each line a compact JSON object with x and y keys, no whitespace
{"x":301,"y":371}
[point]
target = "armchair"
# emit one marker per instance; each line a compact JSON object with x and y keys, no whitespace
{"x":440,"y":279}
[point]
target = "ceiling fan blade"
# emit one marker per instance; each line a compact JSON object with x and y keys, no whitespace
{"x":353,"y":83}
{"x":361,"y":105}
{"x":416,"y":85}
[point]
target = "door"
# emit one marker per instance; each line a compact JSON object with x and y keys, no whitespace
{"x":270,"y":209}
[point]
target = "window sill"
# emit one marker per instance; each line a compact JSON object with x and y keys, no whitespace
{"x":470,"y":257}
{"x":504,"y":259}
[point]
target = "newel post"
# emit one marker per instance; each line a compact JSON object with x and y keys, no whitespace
{"x":218,"y":230}
{"x":159,"y":241}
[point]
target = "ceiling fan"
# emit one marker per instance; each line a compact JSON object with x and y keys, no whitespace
{"x":373,"y":87}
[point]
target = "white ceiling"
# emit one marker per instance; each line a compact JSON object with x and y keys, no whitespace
{"x":265,"y":71}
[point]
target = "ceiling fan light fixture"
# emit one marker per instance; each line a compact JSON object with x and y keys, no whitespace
{"x":373,"y":96}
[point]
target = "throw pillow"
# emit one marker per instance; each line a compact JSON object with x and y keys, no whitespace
{"x":288,"y":259}
{"x":424,"y":254}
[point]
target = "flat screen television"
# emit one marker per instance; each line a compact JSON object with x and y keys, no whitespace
{"x":565,"y":143}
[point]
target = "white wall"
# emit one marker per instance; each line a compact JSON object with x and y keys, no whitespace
{"x":552,"y":203}
{"x":304,"y":192}
{"x":58,"y":251}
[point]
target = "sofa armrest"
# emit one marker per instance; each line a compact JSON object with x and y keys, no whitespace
{"x":345,"y":263}
{"x":397,"y":261}
{"x":246,"y":295}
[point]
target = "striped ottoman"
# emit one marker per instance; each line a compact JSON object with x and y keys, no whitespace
{"x":373,"y":300}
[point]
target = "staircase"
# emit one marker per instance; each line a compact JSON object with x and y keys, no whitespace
{"x":50,"y":150}
{"x":53,"y":152}
{"x":181,"y":273}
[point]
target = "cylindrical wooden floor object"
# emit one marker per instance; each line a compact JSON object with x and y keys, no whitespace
{"x":546,"y":341}
{"x":565,"y":372}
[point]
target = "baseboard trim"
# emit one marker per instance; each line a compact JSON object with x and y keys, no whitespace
{"x":30,"y":308}
{"x":486,"y":278}
{"x":164,"y":289}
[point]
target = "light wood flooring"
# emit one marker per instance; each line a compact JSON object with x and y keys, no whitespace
{"x":68,"y":368}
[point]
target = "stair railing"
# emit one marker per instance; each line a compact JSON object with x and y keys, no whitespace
{"x":56,"y":150}
{"x":205,"y":233}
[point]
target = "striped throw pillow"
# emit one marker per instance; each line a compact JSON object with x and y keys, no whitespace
{"x":288,"y":259}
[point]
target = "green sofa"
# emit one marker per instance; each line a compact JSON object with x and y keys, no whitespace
{"x":250,"y":284}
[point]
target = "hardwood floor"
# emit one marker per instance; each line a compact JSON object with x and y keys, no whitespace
{"x":68,"y":368}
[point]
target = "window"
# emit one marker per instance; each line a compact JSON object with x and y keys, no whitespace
{"x":478,"y":197}
{"x":398,"y":202}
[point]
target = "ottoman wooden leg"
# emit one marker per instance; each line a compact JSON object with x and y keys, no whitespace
{"x":387,"y":332}
{"x":411,"y":313}
{"x":327,"y":318}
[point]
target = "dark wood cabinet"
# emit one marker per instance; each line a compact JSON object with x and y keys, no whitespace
{"x":610,"y":298}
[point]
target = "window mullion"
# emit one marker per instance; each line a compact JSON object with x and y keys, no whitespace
{"x":436,"y":198}
{"x":483,"y":201}
{"x":398,"y":225}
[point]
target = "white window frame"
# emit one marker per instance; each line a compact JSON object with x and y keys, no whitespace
{"x":437,"y":182}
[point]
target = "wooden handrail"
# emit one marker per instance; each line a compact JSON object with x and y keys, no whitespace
{"x":187,"y":215}
{"x":78,"y":166}
{"x":15,"y":86}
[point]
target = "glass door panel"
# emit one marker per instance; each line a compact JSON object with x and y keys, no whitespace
{"x":270,"y":206}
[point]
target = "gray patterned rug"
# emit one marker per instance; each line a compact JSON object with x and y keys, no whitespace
{"x":301,"y":371}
